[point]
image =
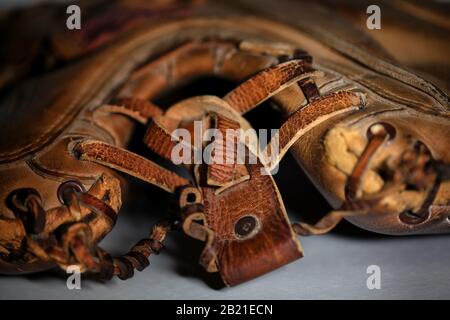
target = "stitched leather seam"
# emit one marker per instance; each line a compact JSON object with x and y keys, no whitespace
{"x":376,"y":90}
{"x":392,"y":71}
{"x":55,"y":175}
{"x":373,"y":115}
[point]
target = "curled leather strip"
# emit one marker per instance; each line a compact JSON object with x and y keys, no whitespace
{"x":137,"y":257}
{"x":222,"y":170}
{"x":27,"y":206}
{"x":137,"y":109}
{"x":123,"y":160}
{"x":308,"y":117}
{"x":159,"y":138}
{"x":98,"y":206}
{"x":192,"y":60}
{"x":268,"y":83}
{"x":325,"y":224}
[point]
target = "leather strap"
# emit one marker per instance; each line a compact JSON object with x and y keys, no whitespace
{"x":308,"y":117}
{"x":128,"y":162}
{"x":326,"y":224}
{"x":138,"y":109}
{"x":195,"y":226}
{"x":159,"y":138}
{"x":268,"y":83}
{"x":223,"y":169}
{"x":192,"y":60}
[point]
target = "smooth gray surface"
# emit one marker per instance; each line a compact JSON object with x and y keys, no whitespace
{"x":334,"y":268}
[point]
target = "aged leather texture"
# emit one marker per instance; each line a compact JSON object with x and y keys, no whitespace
{"x":366,"y":120}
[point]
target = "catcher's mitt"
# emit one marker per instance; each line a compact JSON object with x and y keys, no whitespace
{"x":349,"y":114}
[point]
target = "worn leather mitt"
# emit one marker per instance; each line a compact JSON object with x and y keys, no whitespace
{"x":372,"y":135}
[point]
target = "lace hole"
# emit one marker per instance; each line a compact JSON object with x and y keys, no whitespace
{"x":246,"y":227}
{"x":191,"y":197}
{"x":67,"y":188}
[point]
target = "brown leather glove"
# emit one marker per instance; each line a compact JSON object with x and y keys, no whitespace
{"x":349,"y":125}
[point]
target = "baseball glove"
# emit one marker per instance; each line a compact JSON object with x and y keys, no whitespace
{"x":349,"y":109}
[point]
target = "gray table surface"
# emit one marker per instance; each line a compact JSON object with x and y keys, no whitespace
{"x":334,"y":266}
